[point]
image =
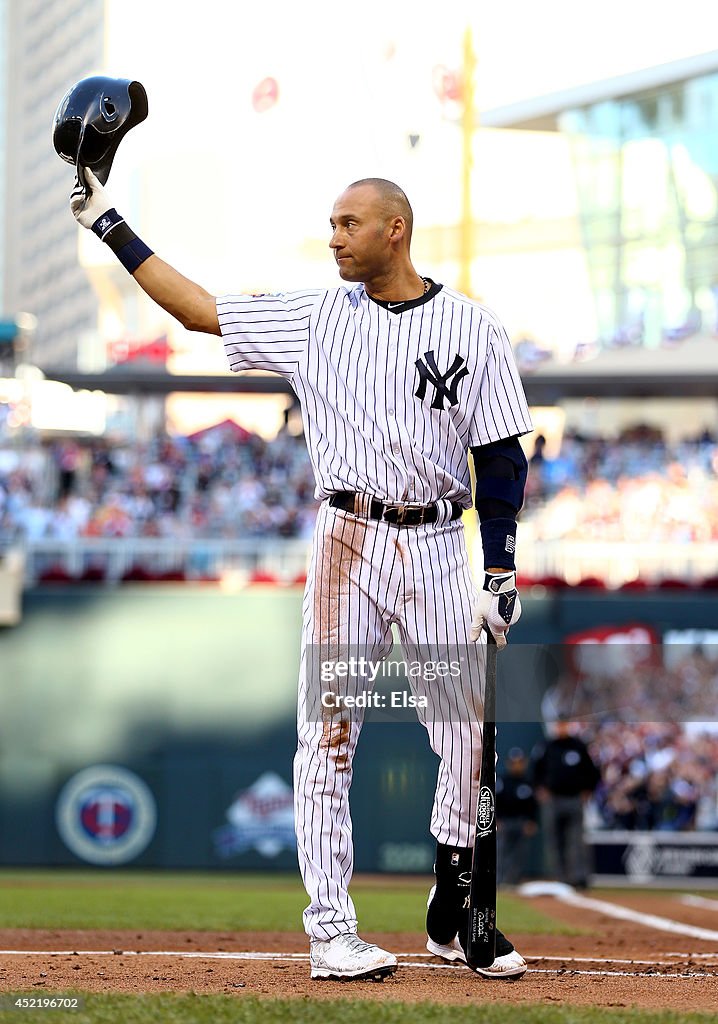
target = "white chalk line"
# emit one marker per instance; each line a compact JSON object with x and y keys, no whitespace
{"x":689,"y":900}
{"x":566,"y":894}
{"x":304,"y":957}
{"x":683,"y":976}
{"x":694,"y":956}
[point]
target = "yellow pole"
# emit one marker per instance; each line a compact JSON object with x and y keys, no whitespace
{"x":468,"y":126}
{"x":466,"y":252}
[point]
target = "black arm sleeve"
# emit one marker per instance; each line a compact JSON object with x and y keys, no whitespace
{"x":501,"y":469}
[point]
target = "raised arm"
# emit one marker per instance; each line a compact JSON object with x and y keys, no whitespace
{"x":183,"y":299}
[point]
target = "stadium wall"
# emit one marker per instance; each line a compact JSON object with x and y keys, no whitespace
{"x":153,"y":726}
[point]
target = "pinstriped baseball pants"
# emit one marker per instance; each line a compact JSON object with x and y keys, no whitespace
{"x":366,"y":576}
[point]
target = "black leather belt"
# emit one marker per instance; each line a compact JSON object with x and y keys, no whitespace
{"x":397,"y":514}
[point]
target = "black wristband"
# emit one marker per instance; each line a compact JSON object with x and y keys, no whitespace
{"x":130,"y":250}
{"x":498,"y":537}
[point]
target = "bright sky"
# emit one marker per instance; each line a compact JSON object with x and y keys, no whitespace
{"x":525,"y":48}
{"x":234,"y":197}
{"x":528,"y":49}
{"x":355,"y":80}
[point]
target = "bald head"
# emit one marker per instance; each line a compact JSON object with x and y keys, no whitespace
{"x":392,"y":199}
{"x":371,"y":225}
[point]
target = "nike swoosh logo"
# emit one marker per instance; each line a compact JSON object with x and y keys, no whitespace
{"x":392,"y":305}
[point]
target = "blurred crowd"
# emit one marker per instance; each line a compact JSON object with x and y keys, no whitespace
{"x":653,"y":733}
{"x":656,"y":775}
{"x":218,"y":484}
{"x":636,"y":487}
{"x":229,"y":483}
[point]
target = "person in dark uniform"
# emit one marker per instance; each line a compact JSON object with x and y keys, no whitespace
{"x":517,"y":817}
{"x":564,"y":776}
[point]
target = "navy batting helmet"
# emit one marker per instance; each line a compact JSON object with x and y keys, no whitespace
{"x":93,"y":117}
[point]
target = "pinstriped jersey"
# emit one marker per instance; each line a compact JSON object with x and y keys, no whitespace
{"x":392,"y":394}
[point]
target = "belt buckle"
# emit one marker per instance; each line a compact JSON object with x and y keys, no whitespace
{"x":400,"y":514}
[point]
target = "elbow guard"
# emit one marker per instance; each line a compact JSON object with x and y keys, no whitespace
{"x":501,"y":469}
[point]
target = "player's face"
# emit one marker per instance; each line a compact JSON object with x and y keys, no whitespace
{"x":360,"y":235}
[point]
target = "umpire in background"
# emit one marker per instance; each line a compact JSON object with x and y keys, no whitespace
{"x":517,"y":817}
{"x":564,"y":776}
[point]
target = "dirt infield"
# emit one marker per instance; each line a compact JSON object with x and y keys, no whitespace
{"x":620,"y":964}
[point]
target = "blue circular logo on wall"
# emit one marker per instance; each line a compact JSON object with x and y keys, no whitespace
{"x":106,"y":815}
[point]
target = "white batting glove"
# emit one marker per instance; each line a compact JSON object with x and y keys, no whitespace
{"x":86,"y":209}
{"x":498,"y":607}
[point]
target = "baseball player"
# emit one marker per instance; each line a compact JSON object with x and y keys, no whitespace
{"x":398,"y":378}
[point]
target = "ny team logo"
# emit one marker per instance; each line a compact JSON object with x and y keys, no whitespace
{"x":445,"y":387}
{"x":106,"y":815}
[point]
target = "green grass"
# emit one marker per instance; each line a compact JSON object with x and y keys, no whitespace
{"x":219,"y":902}
{"x":248,"y":1010}
{"x":87,"y":899}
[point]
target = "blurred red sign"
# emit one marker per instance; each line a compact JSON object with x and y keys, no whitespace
{"x":447,"y":83}
{"x":613,"y":648}
{"x":133,"y":350}
{"x":265,"y":95}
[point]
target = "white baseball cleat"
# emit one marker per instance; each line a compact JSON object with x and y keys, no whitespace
{"x":348,"y":958}
{"x":510,"y":965}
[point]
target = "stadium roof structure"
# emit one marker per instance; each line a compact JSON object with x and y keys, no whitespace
{"x":135,"y":381}
{"x":685,"y":369}
{"x":540,"y":113}
{"x":636,"y":371}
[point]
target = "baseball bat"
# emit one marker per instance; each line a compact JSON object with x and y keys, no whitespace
{"x":481,"y":940}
